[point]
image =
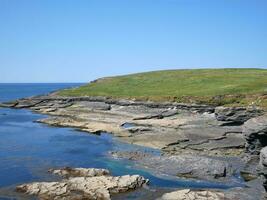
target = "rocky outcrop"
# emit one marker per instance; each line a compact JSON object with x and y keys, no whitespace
{"x":195,"y":142}
{"x":263,"y":157}
{"x":188,"y":194}
{"x":29,"y":102}
{"x":184,"y":166}
{"x":236,"y":115}
{"x":239,"y":193}
{"x":262,"y":168}
{"x":96,"y":185}
{"x":255,"y":133}
{"x":169,"y":126}
{"x":67,"y":172}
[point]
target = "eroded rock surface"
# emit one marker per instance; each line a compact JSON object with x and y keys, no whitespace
{"x":236,"y":115}
{"x":255,"y":133}
{"x":230,"y":194}
{"x":96,"y":185}
{"x":173,"y":127}
{"x":185,"y":165}
{"x":188,"y":194}
{"x":197,"y":141}
{"x":79,"y":172}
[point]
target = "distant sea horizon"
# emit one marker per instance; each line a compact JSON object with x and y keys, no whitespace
{"x":13,"y":91}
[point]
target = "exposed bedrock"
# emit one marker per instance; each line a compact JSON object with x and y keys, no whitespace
{"x":67,"y":172}
{"x":29,"y":102}
{"x":196,"y":141}
{"x":188,"y":194}
{"x":262,"y":168}
{"x":185,"y":166}
{"x":169,"y":126}
{"x":255,"y":133}
{"x":230,"y":194}
{"x":236,"y":115}
{"x":95,"y":185}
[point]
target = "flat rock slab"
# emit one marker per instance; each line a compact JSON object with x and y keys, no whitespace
{"x":231,"y":194}
{"x":158,"y":125}
{"x":95,"y":185}
{"x":185,"y":165}
{"x":188,"y":194}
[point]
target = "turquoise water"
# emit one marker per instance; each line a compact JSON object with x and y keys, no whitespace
{"x":29,"y":149}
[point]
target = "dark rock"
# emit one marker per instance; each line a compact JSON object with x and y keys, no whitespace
{"x":263,"y":157}
{"x":8,"y":104}
{"x":184,"y":166}
{"x":236,"y":114}
{"x":247,"y":176}
{"x":255,"y":133}
{"x":27,"y":103}
{"x":95,"y":105}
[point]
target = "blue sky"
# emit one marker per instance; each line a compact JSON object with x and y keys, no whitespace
{"x":80,"y":40}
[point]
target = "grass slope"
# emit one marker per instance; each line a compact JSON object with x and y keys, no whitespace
{"x":210,"y":86}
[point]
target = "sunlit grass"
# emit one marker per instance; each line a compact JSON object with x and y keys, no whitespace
{"x":210,"y":86}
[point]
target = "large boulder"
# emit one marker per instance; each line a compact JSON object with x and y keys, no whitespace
{"x":255,"y":133}
{"x":236,"y":115}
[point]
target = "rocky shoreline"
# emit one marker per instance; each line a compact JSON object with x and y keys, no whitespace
{"x":197,"y":141}
{"x":81,"y":183}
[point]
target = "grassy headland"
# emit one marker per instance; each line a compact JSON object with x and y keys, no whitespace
{"x":209,"y":86}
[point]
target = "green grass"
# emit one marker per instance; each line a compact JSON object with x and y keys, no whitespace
{"x":210,"y":86}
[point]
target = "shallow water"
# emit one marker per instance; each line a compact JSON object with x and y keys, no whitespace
{"x":29,"y":149}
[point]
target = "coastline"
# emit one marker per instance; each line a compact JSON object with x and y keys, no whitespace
{"x":171,"y":127}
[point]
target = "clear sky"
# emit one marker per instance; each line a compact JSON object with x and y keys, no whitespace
{"x":80,"y":40}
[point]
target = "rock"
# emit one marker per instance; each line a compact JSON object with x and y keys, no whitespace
{"x":27,"y":103}
{"x":255,"y":133}
{"x":130,"y":155}
{"x":8,"y":104}
{"x":183,"y":166}
{"x":188,"y":194}
{"x":252,"y":191}
{"x":247,"y":176}
{"x":79,"y":172}
{"x":237,"y":115}
{"x":263,"y":157}
{"x":95,"y":105}
{"x":263,"y":166}
{"x":98,"y":187}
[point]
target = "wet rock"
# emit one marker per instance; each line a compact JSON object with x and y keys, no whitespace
{"x":247,"y":176}
{"x":255,"y":133}
{"x":237,"y":115}
{"x":8,"y":104}
{"x":188,"y":194}
{"x":99,"y":187}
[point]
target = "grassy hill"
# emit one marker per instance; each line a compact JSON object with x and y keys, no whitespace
{"x":210,"y":86}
